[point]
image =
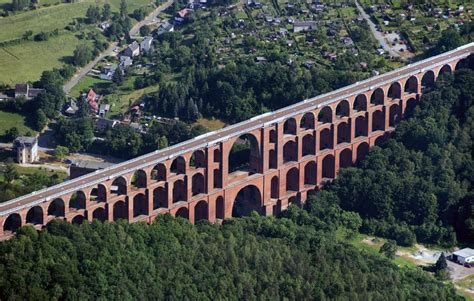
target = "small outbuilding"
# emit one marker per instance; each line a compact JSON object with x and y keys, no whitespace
{"x":463,"y":256}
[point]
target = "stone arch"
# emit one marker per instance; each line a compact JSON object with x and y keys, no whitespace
{"x":395,"y":115}
{"x":198,"y":159}
{"x":361,"y":126}
{"x":345,"y":158}
{"x":326,"y":139}
{"x":275,"y":188}
{"x":272,"y":159}
{"x":329,"y":167}
{"x":140,"y":205}
{"x":395,"y":91}
{"x":100,"y":214}
{"x":308,"y":121}
{"x":325,"y":115}
{"x":289,"y":127}
{"x":310,"y":173}
{"x":411,"y":85}
{"x":179,"y":191}
{"x":139,"y":179}
{"x":309,"y":145}
{"x":377,"y":97}
{"x":428,"y":79}
{"x":362,"y":151}
{"x":380,"y":140}
{"x":445,"y":69}
{"x":245,"y":154}
{"x":201,"y":211}
{"x":344,"y":132}
{"x":12,"y":223}
{"x":198,"y":184}
{"x":78,"y":200}
{"x":78,"y":220}
{"x":465,"y":63}
{"x":410,"y":107}
{"x":160,"y":198}
{"x":120,"y":210}
{"x":158,"y":173}
{"x":290,"y":151}
{"x":35,"y":216}
{"x":378,"y":121}
{"x":57,"y":208}
{"x":98,"y":193}
{"x":292,"y":180}
{"x":220,"y":208}
{"x":360,"y":103}
{"x":272,"y":136}
{"x":343,"y":109}
{"x":247,"y":200}
{"x":182,"y":212}
{"x":119,"y":186}
{"x":178,"y":166}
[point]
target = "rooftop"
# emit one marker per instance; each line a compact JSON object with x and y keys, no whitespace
{"x":466,"y":252}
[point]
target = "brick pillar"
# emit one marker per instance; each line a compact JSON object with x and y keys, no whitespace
{"x":386,"y":112}
{"x":130,"y":207}
{"x":2,"y":221}
{"x":265,"y":141}
{"x":169,"y":190}
{"x":299,"y":147}
{"x":225,"y":151}
{"x":279,"y":144}
{"x":369,"y":123}
{"x":188,"y":182}
{"x":209,"y":170}
{"x":319,"y":170}
{"x":191,"y":213}
{"x":149,"y":196}
{"x":337,"y":157}
{"x":211,"y":206}
{"x":110,"y":212}
{"x":334,"y":135}
{"x":317,"y":140}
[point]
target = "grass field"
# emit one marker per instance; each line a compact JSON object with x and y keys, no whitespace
{"x":10,"y":120}
{"x":212,"y":124}
{"x":85,"y":83}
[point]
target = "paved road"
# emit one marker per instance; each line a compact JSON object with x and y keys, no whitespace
{"x":110,"y":51}
{"x":377,"y":34}
{"x":226,"y":133}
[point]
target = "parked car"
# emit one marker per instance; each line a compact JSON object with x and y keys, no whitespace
{"x":467,"y":265}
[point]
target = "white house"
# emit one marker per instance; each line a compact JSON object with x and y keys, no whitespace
{"x":146,"y":44}
{"x":26,"y":149}
{"x":463,"y":256}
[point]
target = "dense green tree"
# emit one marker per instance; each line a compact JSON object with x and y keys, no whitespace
{"x":82,"y":55}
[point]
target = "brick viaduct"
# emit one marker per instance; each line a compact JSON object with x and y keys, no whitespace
{"x":292,"y":151}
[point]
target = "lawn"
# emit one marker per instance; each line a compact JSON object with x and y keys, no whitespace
{"x":10,"y":120}
{"x":86,"y":83}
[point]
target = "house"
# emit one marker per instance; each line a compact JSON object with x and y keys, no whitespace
{"x":465,"y":255}
{"x":92,"y":100}
{"x":82,"y":167}
{"x":309,"y":64}
{"x":181,"y":15}
{"x":261,"y":59}
{"x":107,"y":73}
{"x":25,"y":90}
{"x":103,"y":109}
{"x":132,"y":50}
{"x":102,"y":124}
{"x":104,"y":25}
{"x":304,"y":26}
{"x":125,"y":61}
{"x":71,"y":108}
{"x":347,"y":41}
{"x":146,"y":44}
{"x":165,"y":27}
{"x":380,"y":51}
{"x":26,"y":149}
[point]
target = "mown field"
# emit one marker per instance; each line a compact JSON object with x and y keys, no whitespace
{"x":10,"y":120}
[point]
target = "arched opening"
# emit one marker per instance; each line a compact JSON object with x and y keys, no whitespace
{"x":198,"y":184}
{"x":294,"y":200}
{"x":183,"y":213}
{"x":345,"y":158}
{"x":217,"y":177}
{"x":446,"y":69}
{"x":100,"y":214}
{"x":139,"y":179}
{"x":411,"y":86}
{"x":307,"y":122}
{"x":198,"y":159}
{"x":343,"y":109}
{"x":119,"y":186}
{"x":272,"y":159}
{"x":361,"y":126}
{"x":360,"y":103}
{"x":410,"y":108}
{"x":377,"y":97}
{"x":245,"y":155}
{"x":78,"y":200}
{"x":378,"y":121}
{"x":12,"y":223}
{"x":158,"y":172}
{"x":247,"y":200}
{"x":35,"y":216}
{"x":160,"y":198}
{"x":276,"y":208}
{"x":217,"y":156}
{"x":120,"y":210}
{"x":310,"y":172}
{"x":289,"y":127}
{"x":98,"y":193}
{"x":362,"y":151}
{"x":275,"y":188}
{"x":466,"y":63}
{"x":329,"y":167}
{"x":56,"y":208}
{"x":273,"y":136}
{"x":428,"y":80}
{"x":78,"y":220}
{"x":292,"y":180}
{"x":309,"y":145}
{"x":380,"y":140}
{"x":179,"y":191}
{"x":220,"y":209}
{"x":201,"y":211}
{"x":326,"y":139}
{"x":395,"y":91}
{"x":395,"y":115}
{"x":140,"y":205}
{"x":344,"y":133}
{"x":178,"y":166}
{"x":325,"y":115}
{"x":290,"y":152}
